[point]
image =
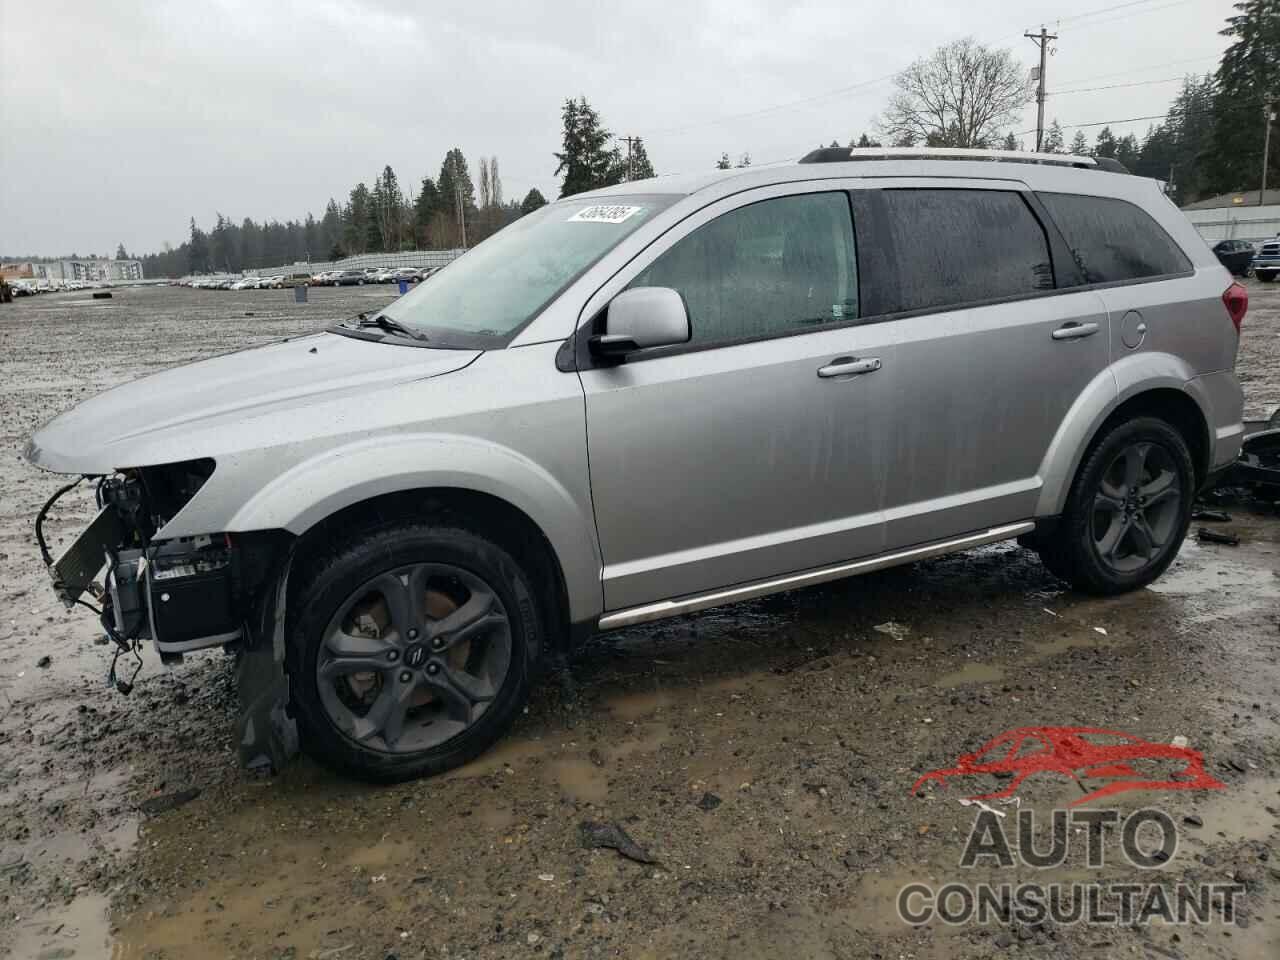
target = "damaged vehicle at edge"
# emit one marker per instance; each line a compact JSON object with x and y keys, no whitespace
{"x":782,"y":376}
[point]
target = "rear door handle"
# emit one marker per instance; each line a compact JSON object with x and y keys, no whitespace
{"x":849,"y":366}
{"x":1075,"y":331}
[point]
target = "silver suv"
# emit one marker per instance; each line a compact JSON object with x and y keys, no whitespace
{"x":654,"y":399}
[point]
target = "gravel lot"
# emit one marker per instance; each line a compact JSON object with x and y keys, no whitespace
{"x":763,"y":754}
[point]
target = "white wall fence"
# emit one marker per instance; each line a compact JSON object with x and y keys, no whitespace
{"x":1237,"y":223}
{"x":405,"y":258}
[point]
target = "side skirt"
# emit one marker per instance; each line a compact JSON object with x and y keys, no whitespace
{"x":792,"y":581}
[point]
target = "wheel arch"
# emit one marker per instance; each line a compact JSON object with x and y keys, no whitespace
{"x":1150,"y":384}
{"x":491,"y":516}
{"x":503,"y":493}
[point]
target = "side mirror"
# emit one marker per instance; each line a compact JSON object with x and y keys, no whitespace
{"x":639,"y":318}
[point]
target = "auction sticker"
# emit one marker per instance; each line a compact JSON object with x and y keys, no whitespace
{"x":604,"y":213}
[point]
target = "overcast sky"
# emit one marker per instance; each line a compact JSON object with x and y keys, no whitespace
{"x":121,"y":120}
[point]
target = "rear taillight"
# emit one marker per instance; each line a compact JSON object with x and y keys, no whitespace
{"x":1236,"y":300}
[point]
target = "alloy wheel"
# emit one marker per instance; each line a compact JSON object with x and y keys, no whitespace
{"x":1136,"y":508}
{"x":414,"y":657}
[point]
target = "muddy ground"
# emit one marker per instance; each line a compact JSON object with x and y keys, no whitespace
{"x":763,"y":754}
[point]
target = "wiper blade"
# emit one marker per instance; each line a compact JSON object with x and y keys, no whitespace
{"x":383,"y":322}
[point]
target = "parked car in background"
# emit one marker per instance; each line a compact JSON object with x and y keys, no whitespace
{"x":654,"y":399}
{"x":297,"y":279}
{"x":1235,"y":255}
{"x":1266,"y":264}
{"x":245,"y":283}
{"x":406,"y":273}
{"x":349,"y":278}
{"x":385,"y":275}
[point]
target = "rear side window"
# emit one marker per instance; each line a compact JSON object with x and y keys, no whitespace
{"x":771,"y":268}
{"x":935,"y":248}
{"x":1113,"y":239}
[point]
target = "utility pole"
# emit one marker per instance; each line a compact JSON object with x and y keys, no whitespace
{"x":1268,"y":114}
{"x":462,"y":213}
{"x":630,"y":164}
{"x":1041,"y":40}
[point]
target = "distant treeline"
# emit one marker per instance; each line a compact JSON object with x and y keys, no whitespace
{"x":381,"y":219}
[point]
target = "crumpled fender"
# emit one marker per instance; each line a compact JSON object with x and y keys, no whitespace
{"x":1125,"y":378}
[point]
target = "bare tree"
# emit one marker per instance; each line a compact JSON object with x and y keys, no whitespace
{"x":495,"y":183}
{"x":486,"y":191}
{"x":957,"y":97}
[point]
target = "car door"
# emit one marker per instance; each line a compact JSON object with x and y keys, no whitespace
{"x":755,"y":449}
{"x":991,"y":350}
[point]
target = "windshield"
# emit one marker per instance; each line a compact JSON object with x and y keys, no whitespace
{"x":482,"y":298}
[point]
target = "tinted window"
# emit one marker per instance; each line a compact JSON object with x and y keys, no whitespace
{"x":1112,"y":239}
{"x":773,"y":267}
{"x":934,"y":248}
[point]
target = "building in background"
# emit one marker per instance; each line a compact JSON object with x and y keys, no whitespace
{"x":90,"y":270}
{"x":1236,"y":216}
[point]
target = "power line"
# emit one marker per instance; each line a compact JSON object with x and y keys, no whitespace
{"x":1154,"y":66}
{"x":1115,"y":86}
{"x":1134,"y":13}
{"x":842,"y":91}
{"x":1156,"y":116}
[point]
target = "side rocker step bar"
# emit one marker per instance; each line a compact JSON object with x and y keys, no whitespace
{"x":792,"y":581}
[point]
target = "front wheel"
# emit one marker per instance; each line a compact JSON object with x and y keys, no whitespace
{"x":411,"y":650}
{"x":1266,"y":276}
{"x":1128,"y":509}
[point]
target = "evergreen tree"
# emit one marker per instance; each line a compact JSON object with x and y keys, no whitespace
{"x":532,"y":201}
{"x":724,"y":163}
{"x":584,"y":159}
{"x":356,"y":221}
{"x":425,"y":208}
{"x":641,"y":168}
{"x":456,"y":188}
{"x":1010,"y":143}
{"x":743,"y":161}
{"x":1079,"y":145}
{"x":331,"y":231}
{"x":197,"y":250}
{"x":121,"y":254}
{"x":1127,"y":151}
{"x":1053,"y":140}
{"x":1248,"y":74}
{"x":865,"y":141}
{"x":1106,"y":145}
{"x":312,"y":239}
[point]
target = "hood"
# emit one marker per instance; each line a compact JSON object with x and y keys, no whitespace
{"x":98,"y":435}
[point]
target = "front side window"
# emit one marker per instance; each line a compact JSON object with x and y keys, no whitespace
{"x":484,"y":296}
{"x":1113,"y":239}
{"x":925,"y":248}
{"x":773,"y":267}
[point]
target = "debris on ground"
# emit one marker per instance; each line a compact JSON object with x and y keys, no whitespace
{"x":709,"y":801}
{"x":43,"y":662}
{"x":892,"y":628}
{"x":1205,"y":535}
{"x":1211,"y":516}
{"x":168,"y":801}
{"x":611,"y":836}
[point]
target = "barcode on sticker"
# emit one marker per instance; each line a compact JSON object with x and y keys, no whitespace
{"x":604,"y":213}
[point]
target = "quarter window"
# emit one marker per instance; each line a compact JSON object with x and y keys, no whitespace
{"x":770,"y":268}
{"x":1113,"y":239}
{"x":934,"y":248}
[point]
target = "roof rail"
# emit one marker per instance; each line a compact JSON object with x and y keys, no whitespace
{"x":845,"y":154}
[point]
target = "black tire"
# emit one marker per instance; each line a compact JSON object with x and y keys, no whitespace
{"x":326,"y":582}
{"x":1264,"y":276}
{"x":1073,"y":551}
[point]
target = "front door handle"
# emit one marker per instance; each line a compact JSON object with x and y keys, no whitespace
{"x":1075,"y":330}
{"x":849,"y":366}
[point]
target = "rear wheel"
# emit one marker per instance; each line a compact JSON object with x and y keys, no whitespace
{"x":410,"y":653}
{"x":1128,"y":510}
{"x":1266,"y":276}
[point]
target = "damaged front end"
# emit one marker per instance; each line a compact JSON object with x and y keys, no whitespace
{"x":184,"y":593}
